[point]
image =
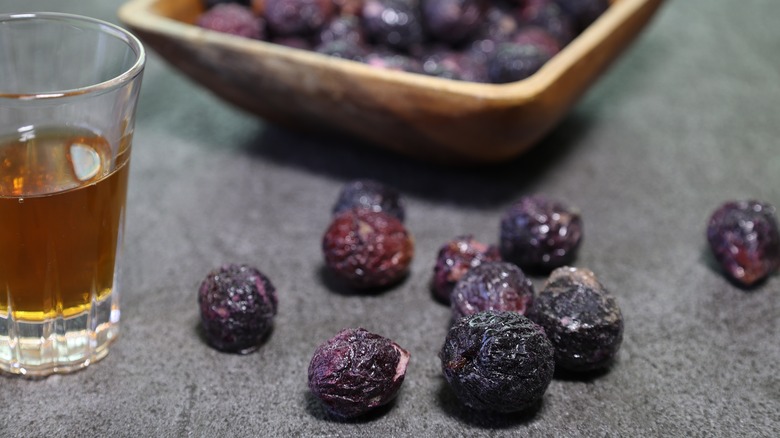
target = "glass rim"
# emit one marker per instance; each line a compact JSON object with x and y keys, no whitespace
{"x":103,"y":26}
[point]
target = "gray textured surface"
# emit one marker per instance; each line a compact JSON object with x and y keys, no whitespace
{"x":686,"y":119}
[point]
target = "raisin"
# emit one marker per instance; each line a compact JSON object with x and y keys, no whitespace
{"x":497,"y":286}
{"x":453,"y":21}
{"x":548,"y":15}
{"x":368,"y":249}
{"x":455,"y":258}
{"x":499,"y":24}
{"x":497,"y":361}
{"x":357,"y":371}
{"x":297,"y":17}
{"x":538,"y":37}
{"x":744,"y":238}
{"x":581,"y":319}
{"x":584,"y":12}
{"x":540,"y":234}
{"x":237,"y":306}
{"x":372,"y":195}
{"x":345,"y":27}
{"x":393,"y":23}
{"x":233,"y":19}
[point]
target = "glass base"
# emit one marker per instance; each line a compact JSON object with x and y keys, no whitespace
{"x":60,"y":345}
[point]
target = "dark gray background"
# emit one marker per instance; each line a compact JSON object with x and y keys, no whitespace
{"x":686,"y":119}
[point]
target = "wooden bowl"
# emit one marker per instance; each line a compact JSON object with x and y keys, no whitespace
{"x":432,"y":118}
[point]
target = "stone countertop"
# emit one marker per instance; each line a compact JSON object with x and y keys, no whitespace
{"x":685,"y":120}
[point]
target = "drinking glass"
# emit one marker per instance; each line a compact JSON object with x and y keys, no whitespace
{"x":68,"y":92}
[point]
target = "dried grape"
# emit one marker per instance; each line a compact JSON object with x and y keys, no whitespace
{"x":237,"y":306}
{"x":581,"y":319}
{"x":357,"y":371}
{"x":497,"y":361}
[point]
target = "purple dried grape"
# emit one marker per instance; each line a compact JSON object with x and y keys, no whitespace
{"x":497,"y":361}
{"x":584,"y":12}
{"x":237,"y":306}
{"x":297,"y":17}
{"x":581,"y":319}
{"x":540,"y":234}
{"x":744,"y":238}
{"x":356,"y":371}
{"x":499,"y":286}
{"x":233,"y":19}
{"x":455,"y":258}
{"x":368,"y":249}
{"x":549,"y":16}
{"x":393,"y":23}
{"x":513,"y":62}
{"x":345,"y":27}
{"x":370,"y":194}
{"x":499,"y":26}
{"x":538,"y":37}
{"x":453,"y":21}
{"x":500,"y":23}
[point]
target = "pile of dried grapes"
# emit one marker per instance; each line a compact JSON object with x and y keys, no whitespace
{"x":490,"y":41}
{"x":506,"y":340}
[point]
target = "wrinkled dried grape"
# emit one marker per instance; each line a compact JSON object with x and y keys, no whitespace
{"x":393,"y":23}
{"x":584,"y":12}
{"x":356,"y":371}
{"x":581,"y":319}
{"x":497,"y":286}
{"x":367,"y":249}
{"x":297,"y":17}
{"x":744,"y":238}
{"x":548,"y":15}
{"x":538,"y":233}
{"x":455,"y":258}
{"x":453,"y":20}
{"x":497,"y":361}
{"x":345,"y":27}
{"x":233,"y":19}
{"x":538,"y":37}
{"x":237,"y":306}
{"x":499,"y":23}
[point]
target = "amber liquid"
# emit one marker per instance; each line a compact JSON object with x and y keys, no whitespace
{"x":61,"y":214}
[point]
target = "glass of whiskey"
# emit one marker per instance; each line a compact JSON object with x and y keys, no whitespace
{"x":68,"y":92}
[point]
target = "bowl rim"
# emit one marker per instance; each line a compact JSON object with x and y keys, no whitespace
{"x":140,"y":15}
